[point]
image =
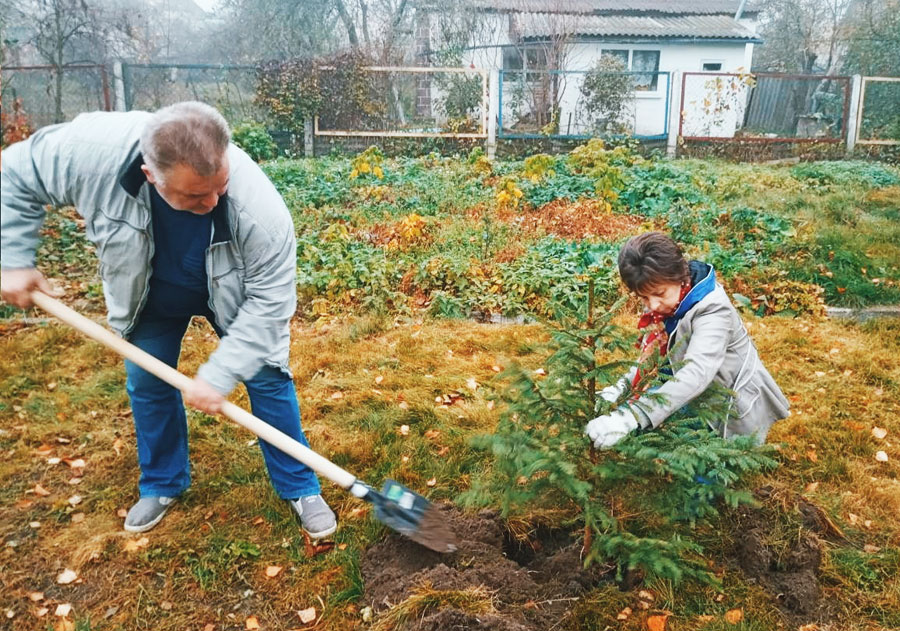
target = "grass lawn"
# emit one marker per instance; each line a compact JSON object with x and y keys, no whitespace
{"x":381,"y":263}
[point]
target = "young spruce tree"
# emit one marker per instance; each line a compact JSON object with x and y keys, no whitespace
{"x":633,"y":502}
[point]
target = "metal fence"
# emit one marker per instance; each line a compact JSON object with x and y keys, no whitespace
{"x":231,"y":89}
{"x":411,"y":102}
{"x":560,"y":104}
{"x":49,"y":97}
{"x":764,"y":107}
{"x":469,"y":104}
{"x":878,"y":117}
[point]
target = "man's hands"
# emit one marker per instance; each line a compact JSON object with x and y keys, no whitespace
{"x":204,"y":397}
{"x":606,"y":431}
{"x":16,"y":286}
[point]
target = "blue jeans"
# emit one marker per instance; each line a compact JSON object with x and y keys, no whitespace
{"x":161,"y":424}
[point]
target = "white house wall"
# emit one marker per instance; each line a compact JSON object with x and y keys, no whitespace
{"x":648,"y":112}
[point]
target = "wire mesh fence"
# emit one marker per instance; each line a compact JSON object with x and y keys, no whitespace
{"x":230,"y":89}
{"x":47,"y":96}
{"x":571,"y":104}
{"x":764,"y":107}
{"x":879,"y":111}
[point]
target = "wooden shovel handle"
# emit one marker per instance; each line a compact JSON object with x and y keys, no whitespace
{"x":266,"y":432}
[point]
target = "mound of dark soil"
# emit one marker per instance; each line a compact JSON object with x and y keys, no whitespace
{"x":533,"y":584}
{"x":791,"y":572}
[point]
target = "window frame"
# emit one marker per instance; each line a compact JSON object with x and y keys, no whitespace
{"x":653,"y":87}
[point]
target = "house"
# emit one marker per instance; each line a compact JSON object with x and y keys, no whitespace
{"x":531,"y":41}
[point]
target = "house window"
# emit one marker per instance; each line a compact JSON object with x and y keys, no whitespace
{"x":614,"y":53}
{"x":644,"y":63}
{"x":515,"y":60}
{"x":712,"y":66}
{"x":647,"y":62}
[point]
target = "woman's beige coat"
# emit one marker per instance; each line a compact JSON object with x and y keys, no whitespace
{"x":711,"y":344}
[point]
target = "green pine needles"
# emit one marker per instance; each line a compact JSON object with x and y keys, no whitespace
{"x":636,"y":502}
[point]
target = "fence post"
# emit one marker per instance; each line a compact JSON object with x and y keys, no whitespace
{"x":853,"y":116}
{"x":309,"y":147}
{"x":127,"y":86}
{"x":493,"y":112}
{"x":118,"y":86}
{"x":674,"y":114}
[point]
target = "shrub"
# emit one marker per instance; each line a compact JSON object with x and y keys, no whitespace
{"x":606,"y":95}
{"x":255,"y":140}
{"x":541,"y":459}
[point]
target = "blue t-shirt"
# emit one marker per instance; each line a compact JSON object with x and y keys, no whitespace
{"x":178,"y":285}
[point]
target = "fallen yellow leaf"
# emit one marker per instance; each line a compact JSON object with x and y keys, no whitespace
{"x":133,"y":545}
{"x":273,"y":570}
{"x":657,"y":623}
{"x":404,"y":430}
{"x":734,"y":616}
{"x":63,"y":610}
{"x":251,"y":623}
{"x":379,"y":379}
{"x":431,"y":482}
{"x":39,"y":490}
{"x":307,"y":615}
{"x":65,"y":577}
{"x":36,"y":596}
{"x":623,"y":615}
{"x":881,"y":456}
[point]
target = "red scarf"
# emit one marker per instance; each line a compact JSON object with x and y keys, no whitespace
{"x":656,"y":336}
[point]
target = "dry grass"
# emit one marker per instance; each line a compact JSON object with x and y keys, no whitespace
{"x":206,"y":563}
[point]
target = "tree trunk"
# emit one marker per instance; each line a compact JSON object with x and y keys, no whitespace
{"x":348,"y":23}
{"x":60,"y":44}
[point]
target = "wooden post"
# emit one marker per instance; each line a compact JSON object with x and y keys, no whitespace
{"x":674,"y":113}
{"x":493,"y":112}
{"x":854,"y":118}
{"x":309,"y":147}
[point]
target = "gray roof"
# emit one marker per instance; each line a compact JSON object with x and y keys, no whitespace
{"x":543,"y":25}
{"x":620,"y":7}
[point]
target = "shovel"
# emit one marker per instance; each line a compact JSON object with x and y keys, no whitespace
{"x":395,"y":505}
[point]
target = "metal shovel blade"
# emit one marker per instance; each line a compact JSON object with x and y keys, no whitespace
{"x":411,"y":515}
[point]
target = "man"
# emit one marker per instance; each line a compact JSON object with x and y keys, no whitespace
{"x":185,"y":224}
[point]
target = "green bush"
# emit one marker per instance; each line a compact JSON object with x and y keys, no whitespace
{"x":255,"y":140}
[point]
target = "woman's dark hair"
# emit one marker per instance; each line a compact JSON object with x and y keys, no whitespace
{"x":649,"y":259}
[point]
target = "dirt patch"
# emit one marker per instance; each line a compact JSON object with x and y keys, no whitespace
{"x":788,"y":568}
{"x":533,"y":583}
{"x":582,"y":219}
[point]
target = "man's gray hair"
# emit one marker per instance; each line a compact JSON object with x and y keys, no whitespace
{"x":190,"y":133}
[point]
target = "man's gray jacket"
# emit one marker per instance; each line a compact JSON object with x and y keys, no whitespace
{"x":93,"y":163}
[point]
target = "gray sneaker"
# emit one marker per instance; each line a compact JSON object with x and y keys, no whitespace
{"x":317,"y":519}
{"x":148,"y":512}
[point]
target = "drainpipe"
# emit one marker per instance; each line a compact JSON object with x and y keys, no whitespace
{"x":740,"y":11}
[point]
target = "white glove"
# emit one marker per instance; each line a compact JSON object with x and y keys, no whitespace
{"x":613,"y":392}
{"x":606,"y":431}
